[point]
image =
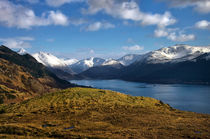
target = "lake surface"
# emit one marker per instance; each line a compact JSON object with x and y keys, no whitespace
{"x":194,"y":98}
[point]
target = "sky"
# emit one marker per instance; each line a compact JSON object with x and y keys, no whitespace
{"x":102,"y":28}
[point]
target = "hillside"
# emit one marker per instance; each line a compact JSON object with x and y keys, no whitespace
{"x":82,"y":112}
{"x":102,"y":72}
{"x":25,"y":76}
{"x":195,"y":71}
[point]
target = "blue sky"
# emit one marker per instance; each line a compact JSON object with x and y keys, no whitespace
{"x":102,"y":28}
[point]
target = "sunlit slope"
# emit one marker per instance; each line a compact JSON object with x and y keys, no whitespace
{"x":25,"y":77}
{"x":85,"y":112}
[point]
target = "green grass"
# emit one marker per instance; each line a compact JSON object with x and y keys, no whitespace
{"x":95,"y":113}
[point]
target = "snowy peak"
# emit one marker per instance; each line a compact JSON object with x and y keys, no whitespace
{"x":90,"y":62}
{"x":22,"y":51}
{"x":179,"y":51}
{"x":111,"y":62}
{"x":128,"y":59}
{"x":85,"y":64}
{"x":50,"y":60}
{"x":175,"y":53}
{"x":69,"y":61}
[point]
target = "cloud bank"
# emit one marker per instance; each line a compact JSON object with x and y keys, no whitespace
{"x":99,"y":25}
{"x":202,"y":6}
{"x":57,"y":3}
{"x":133,"y":48}
{"x":203,"y":24}
{"x":17,"y":42}
{"x":22,"y":17}
{"x":128,"y":10}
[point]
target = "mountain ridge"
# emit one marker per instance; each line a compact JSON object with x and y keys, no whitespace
{"x":155,"y":61}
{"x":25,"y":76}
{"x":177,"y":64}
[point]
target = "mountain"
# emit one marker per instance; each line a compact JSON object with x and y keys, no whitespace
{"x":174,"y":54}
{"x":175,"y":64}
{"x":52,"y":61}
{"x":128,"y":59}
{"x":193,"y":71}
{"x":22,"y":51}
{"x":61,"y":67}
{"x":69,"y":61}
{"x":110,"y":62}
{"x":85,"y":64}
{"x":23,"y":77}
{"x":104,"y":71}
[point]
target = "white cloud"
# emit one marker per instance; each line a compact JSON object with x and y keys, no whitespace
{"x":78,"y":21}
{"x":156,"y":19}
{"x":173,"y":35}
{"x":57,"y":3}
{"x":180,"y":37}
{"x":13,"y":15}
{"x":161,"y":32}
{"x":203,"y":24}
{"x":57,"y":18}
{"x":18,"y":42}
{"x":133,"y":48}
{"x":99,"y":25}
{"x":128,"y":10}
{"x":31,"y":1}
{"x":202,"y":6}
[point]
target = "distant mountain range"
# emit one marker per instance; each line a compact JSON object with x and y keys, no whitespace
{"x":69,"y":68}
{"x":175,"y":64}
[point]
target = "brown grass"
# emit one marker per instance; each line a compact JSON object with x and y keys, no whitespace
{"x":94,"y":113}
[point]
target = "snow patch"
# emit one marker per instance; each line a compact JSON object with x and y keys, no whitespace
{"x":22,"y":51}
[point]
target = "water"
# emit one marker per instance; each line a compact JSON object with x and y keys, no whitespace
{"x":194,"y":98}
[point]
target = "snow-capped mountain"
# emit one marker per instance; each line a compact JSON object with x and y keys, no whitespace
{"x":50,"y":60}
{"x":85,"y":64}
{"x":207,"y":57}
{"x":128,"y":59}
{"x":22,"y":51}
{"x":111,"y":62}
{"x":177,"y":53}
{"x":70,"y":61}
{"x":175,"y":64}
{"x":61,"y":67}
{"x":168,"y":56}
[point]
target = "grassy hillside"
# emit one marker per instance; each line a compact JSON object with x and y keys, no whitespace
{"x":25,"y":77}
{"x":30,"y":65}
{"x":85,"y":112}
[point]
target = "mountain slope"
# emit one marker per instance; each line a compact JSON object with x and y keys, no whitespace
{"x":85,"y":64}
{"x":24,"y":74}
{"x":61,"y":67}
{"x":102,"y":72}
{"x":177,"y":53}
{"x":22,"y":51}
{"x":128,"y":59}
{"x":196,"y":70}
{"x":95,"y":113}
{"x":52,"y":61}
